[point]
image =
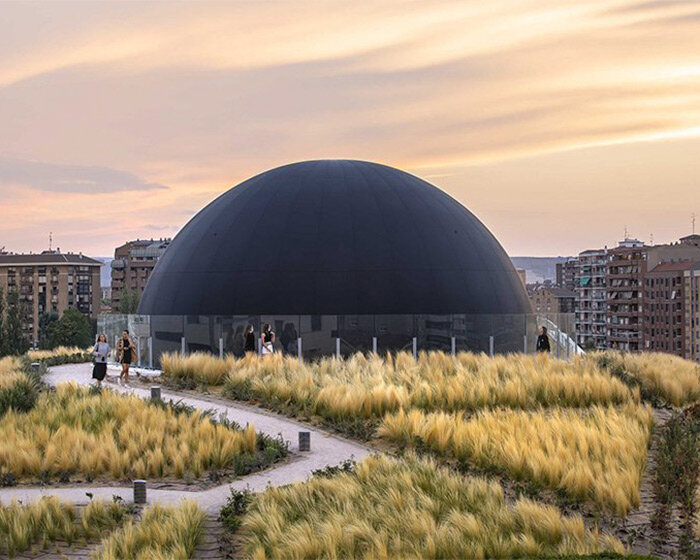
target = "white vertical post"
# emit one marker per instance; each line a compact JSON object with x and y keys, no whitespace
{"x":524,"y":344}
{"x":491,"y":346}
{"x":374,"y":344}
{"x":299,"y":348}
{"x":337,"y":347}
{"x":138,"y":350}
{"x":454,"y":345}
{"x":415,"y":348}
{"x":183,"y":346}
{"x":259,"y":345}
{"x":116,"y":345}
{"x":221,"y":348}
{"x":150,"y":352}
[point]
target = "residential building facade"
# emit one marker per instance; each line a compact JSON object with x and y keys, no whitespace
{"x":665,"y":322}
{"x":132,"y":266}
{"x":552,"y":299}
{"x":51,"y":282}
{"x":691,"y":290}
{"x":589,"y":280}
{"x":566,"y":274}
{"x":628,"y":311}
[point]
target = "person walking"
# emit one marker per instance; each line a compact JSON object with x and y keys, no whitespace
{"x":126,"y":349}
{"x":100,"y":353}
{"x":543,"y":341}
{"x":268,"y":339}
{"x":249,"y":335}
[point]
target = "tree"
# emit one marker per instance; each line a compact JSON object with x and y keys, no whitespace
{"x":14,"y":340}
{"x":45,"y":322}
{"x":72,"y":329}
{"x":129,"y":302}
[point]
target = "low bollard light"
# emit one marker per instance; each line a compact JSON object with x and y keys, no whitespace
{"x":155,"y":393}
{"x":35,"y":367}
{"x":304,"y":440}
{"x":139,"y":491}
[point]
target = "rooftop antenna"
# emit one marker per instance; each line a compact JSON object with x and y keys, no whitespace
{"x":50,"y":239}
{"x":626,"y":232}
{"x":692,"y":220}
{"x":651,"y":239}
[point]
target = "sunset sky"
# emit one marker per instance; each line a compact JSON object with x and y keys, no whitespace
{"x":558,"y":123}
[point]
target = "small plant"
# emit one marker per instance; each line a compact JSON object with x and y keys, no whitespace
{"x":347,"y":466}
{"x":236,"y":505}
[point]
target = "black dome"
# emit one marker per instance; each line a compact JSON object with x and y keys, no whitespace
{"x":334,"y":237}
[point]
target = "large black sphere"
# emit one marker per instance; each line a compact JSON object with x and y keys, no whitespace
{"x":334,"y":237}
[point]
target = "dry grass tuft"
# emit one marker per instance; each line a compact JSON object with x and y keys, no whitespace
{"x":199,"y":367}
{"x":77,"y":431}
{"x":666,"y":377}
{"x":164,"y":532}
{"x":593,"y":455}
{"x":59,"y":352}
{"x":409,"y":508}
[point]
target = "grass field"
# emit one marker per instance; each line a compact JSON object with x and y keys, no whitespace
{"x":663,"y":377}
{"x":161,"y":532}
{"x":409,"y":508}
{"x":374,"y":385}
{"x":596,"y":455}
{"x":47,"y":520}
{"x":76,"y":431}
{"x":167,"y":533}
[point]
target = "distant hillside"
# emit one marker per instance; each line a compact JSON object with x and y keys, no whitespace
{"x":538,"y":269}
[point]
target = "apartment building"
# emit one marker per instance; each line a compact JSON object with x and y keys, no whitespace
{"x":566,"y":274}
{"x":626,"y":266}
{"x":691,"y":303}
{"x":547,"y":299}
{"x":51,"y":282}
{"x":627,"y":269}
{"x":132,"y":266}
{"x":665,"y":321}
{"x":589,"y":281}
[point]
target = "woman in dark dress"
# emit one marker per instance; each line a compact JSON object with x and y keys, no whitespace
{"x":268,"y":339}
{"x":249,"y":345}
{"x":126,"y":350}
{"x":100,"y":354}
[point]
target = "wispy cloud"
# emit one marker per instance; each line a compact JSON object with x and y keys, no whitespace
{"x":199,"y":96}
{"x":88,"y":179}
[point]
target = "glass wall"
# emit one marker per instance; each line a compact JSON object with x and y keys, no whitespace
{"x":314,"y":336}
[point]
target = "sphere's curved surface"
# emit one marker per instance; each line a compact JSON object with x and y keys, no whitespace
{"x":334,"y":237}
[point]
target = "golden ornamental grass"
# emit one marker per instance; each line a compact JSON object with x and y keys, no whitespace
{"x":673,"y":379}
{"x":170,"y":533}
{"x":114,"y":436}
{"x":370,"y":386}
{"x":409,"y":508}
{"x":595,"y":455}
{"x":9,"y":365}
{"x":60,"y":351}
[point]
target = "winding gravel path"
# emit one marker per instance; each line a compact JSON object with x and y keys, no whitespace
{"x":326,"y":450}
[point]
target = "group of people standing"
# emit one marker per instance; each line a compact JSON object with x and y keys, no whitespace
{"x":126,"y":354}
{"x":267,"y":340}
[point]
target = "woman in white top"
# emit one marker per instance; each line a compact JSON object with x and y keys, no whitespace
{"x":100,"y":353}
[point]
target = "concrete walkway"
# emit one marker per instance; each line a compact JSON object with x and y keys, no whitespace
{"x":325,"y":450}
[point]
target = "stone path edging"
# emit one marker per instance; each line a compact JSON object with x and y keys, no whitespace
{"x":326,"y":449}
